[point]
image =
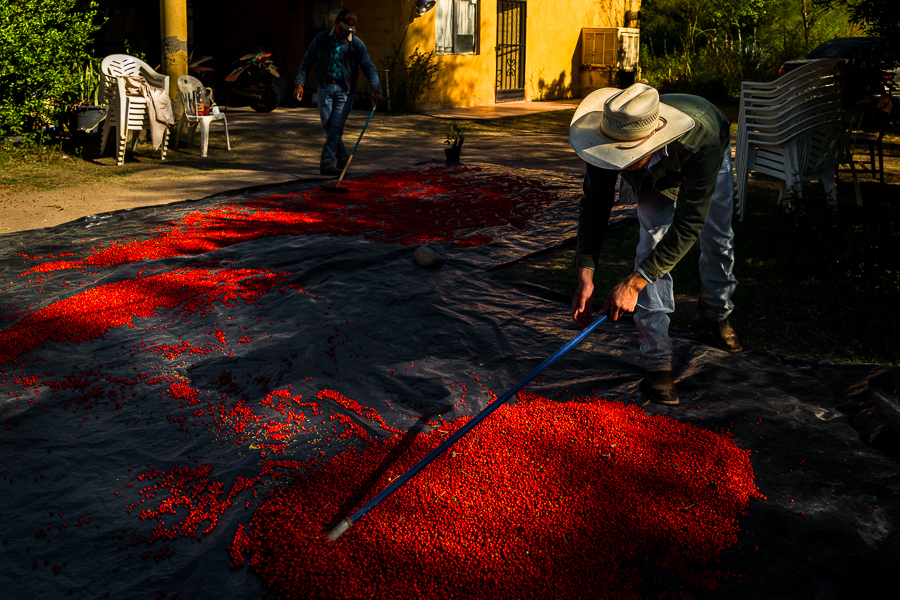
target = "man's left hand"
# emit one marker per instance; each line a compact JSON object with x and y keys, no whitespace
{"x":377,"y":99}
{"x":623,"y":298}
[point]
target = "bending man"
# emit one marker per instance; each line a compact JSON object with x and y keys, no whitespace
{"x":674,"y":151}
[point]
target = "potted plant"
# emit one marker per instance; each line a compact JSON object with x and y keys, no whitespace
{"x":455,"y":139}
{"x":87,"y":113}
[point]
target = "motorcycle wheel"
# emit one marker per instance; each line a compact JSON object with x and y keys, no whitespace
{"x":266,"y":97}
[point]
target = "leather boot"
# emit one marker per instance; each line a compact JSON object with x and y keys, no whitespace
{"x":724,"y":336}
{"x":660,"y":387}
{"x":329,"y":170}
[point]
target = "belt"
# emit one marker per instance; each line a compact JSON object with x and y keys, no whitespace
{"x":329,"y":80}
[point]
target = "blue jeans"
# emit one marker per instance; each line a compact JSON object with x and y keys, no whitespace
{"x":657,"y":300}
{"x":335,"y":103}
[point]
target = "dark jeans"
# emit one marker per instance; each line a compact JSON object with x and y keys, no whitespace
{"x":335,"y":102}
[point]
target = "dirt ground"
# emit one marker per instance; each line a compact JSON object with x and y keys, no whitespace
{"x":275,"y":148}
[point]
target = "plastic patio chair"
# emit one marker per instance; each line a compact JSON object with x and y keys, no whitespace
{"x":785,"y":125}
{"x":127,"y":112}
{"x":775,"y":101}
{"x":876,"y":116}
{"x":194,"y":97}
{"x":758,"y":100}
{"x":807,"y":153}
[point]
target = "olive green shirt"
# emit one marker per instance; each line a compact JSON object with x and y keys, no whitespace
{"x":687,"y":176}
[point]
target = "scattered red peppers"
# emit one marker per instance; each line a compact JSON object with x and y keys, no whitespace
{"x":435,"y":205}
{"x":90,"y":314}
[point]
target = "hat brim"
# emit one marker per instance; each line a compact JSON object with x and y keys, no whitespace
{"x":590,"y":143}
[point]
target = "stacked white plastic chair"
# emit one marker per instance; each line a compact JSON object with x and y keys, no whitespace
{"x":791,"y":129}
{"x":193,"y":94}
{"x":127,"y":113}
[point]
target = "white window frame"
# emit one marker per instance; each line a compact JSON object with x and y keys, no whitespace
{"x":456,"y":27}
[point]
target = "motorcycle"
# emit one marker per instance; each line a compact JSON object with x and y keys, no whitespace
{"x":255,"y":77}
{"x":204,"y":73}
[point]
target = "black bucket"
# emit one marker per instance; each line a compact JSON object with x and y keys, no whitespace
{"x":86,"y":118}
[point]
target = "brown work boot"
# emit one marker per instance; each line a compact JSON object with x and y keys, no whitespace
{"x":724,"y":337}
{"x":660,"y":387}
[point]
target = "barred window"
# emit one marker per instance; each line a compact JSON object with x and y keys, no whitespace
{"x":456,"y":26}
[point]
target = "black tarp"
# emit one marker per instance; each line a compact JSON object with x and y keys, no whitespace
{"x":363,"y":319}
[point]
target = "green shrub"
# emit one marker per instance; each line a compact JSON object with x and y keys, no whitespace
{"x":714,"y":73}
{"x":411,"y":79}
{"x":43,"y":58}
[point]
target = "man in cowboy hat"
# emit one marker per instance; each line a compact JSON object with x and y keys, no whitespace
{"x":336,"y":55}
{"x":674,"y":151}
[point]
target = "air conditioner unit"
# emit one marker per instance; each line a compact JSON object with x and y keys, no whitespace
{"x":611,"y":47}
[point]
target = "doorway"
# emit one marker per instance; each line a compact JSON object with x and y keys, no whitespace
{"x":510,"y":51}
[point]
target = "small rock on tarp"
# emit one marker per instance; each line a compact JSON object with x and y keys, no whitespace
{"x":427,"y":257}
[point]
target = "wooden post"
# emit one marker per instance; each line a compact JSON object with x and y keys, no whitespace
{"x":173,"y":22}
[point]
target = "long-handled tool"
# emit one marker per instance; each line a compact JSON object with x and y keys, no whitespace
{"x":337,"y":186}
{"x":400,"y":481}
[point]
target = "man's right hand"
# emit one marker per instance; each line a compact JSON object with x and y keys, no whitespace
{"x":298,"y":92}
{"x":583,"y":300}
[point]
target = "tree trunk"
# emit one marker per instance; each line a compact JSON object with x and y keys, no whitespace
{"x":806,"y":24}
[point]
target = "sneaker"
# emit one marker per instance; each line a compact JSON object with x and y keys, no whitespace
{"x":660,"y":387}
{"x":331,"y":171}
{"x":724,"y":336}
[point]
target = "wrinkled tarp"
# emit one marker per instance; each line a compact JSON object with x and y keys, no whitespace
{"x":827,"y":528}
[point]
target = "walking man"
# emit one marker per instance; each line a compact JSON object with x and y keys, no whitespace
{"x":674,"y":151}
{"x":336,"y":55}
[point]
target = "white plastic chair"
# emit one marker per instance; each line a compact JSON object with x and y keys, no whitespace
{"x":127,"y":113}
{"x":785,"y":125}
{"x":192,"y":94}
{"x":806,"y":153}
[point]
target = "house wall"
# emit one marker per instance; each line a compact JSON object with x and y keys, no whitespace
{"x":228,"y":29}
{"x":552,"y":56}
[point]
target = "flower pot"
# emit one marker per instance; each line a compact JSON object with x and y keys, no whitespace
{"x":86,"y":118}
{"x":452,"y":154}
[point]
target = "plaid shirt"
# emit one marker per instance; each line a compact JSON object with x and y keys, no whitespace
{"x":336,"y":64}
{"x":351,"y":56}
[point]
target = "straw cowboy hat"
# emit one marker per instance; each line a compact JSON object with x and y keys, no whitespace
{"x":613,"y":128}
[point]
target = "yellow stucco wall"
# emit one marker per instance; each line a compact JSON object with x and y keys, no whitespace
{"x":552,"y":55}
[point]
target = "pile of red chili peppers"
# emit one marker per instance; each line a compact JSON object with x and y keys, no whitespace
{"x":564,"y":499}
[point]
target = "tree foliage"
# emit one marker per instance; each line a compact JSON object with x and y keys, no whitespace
{"x":878,"y":18}
{"x":43,"y":58}
{"x":687,"y":25}
{"x":711,"y":47}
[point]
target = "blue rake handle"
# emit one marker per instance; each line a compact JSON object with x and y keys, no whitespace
{"x":358,"y":140}
{"x":401,"y":481}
